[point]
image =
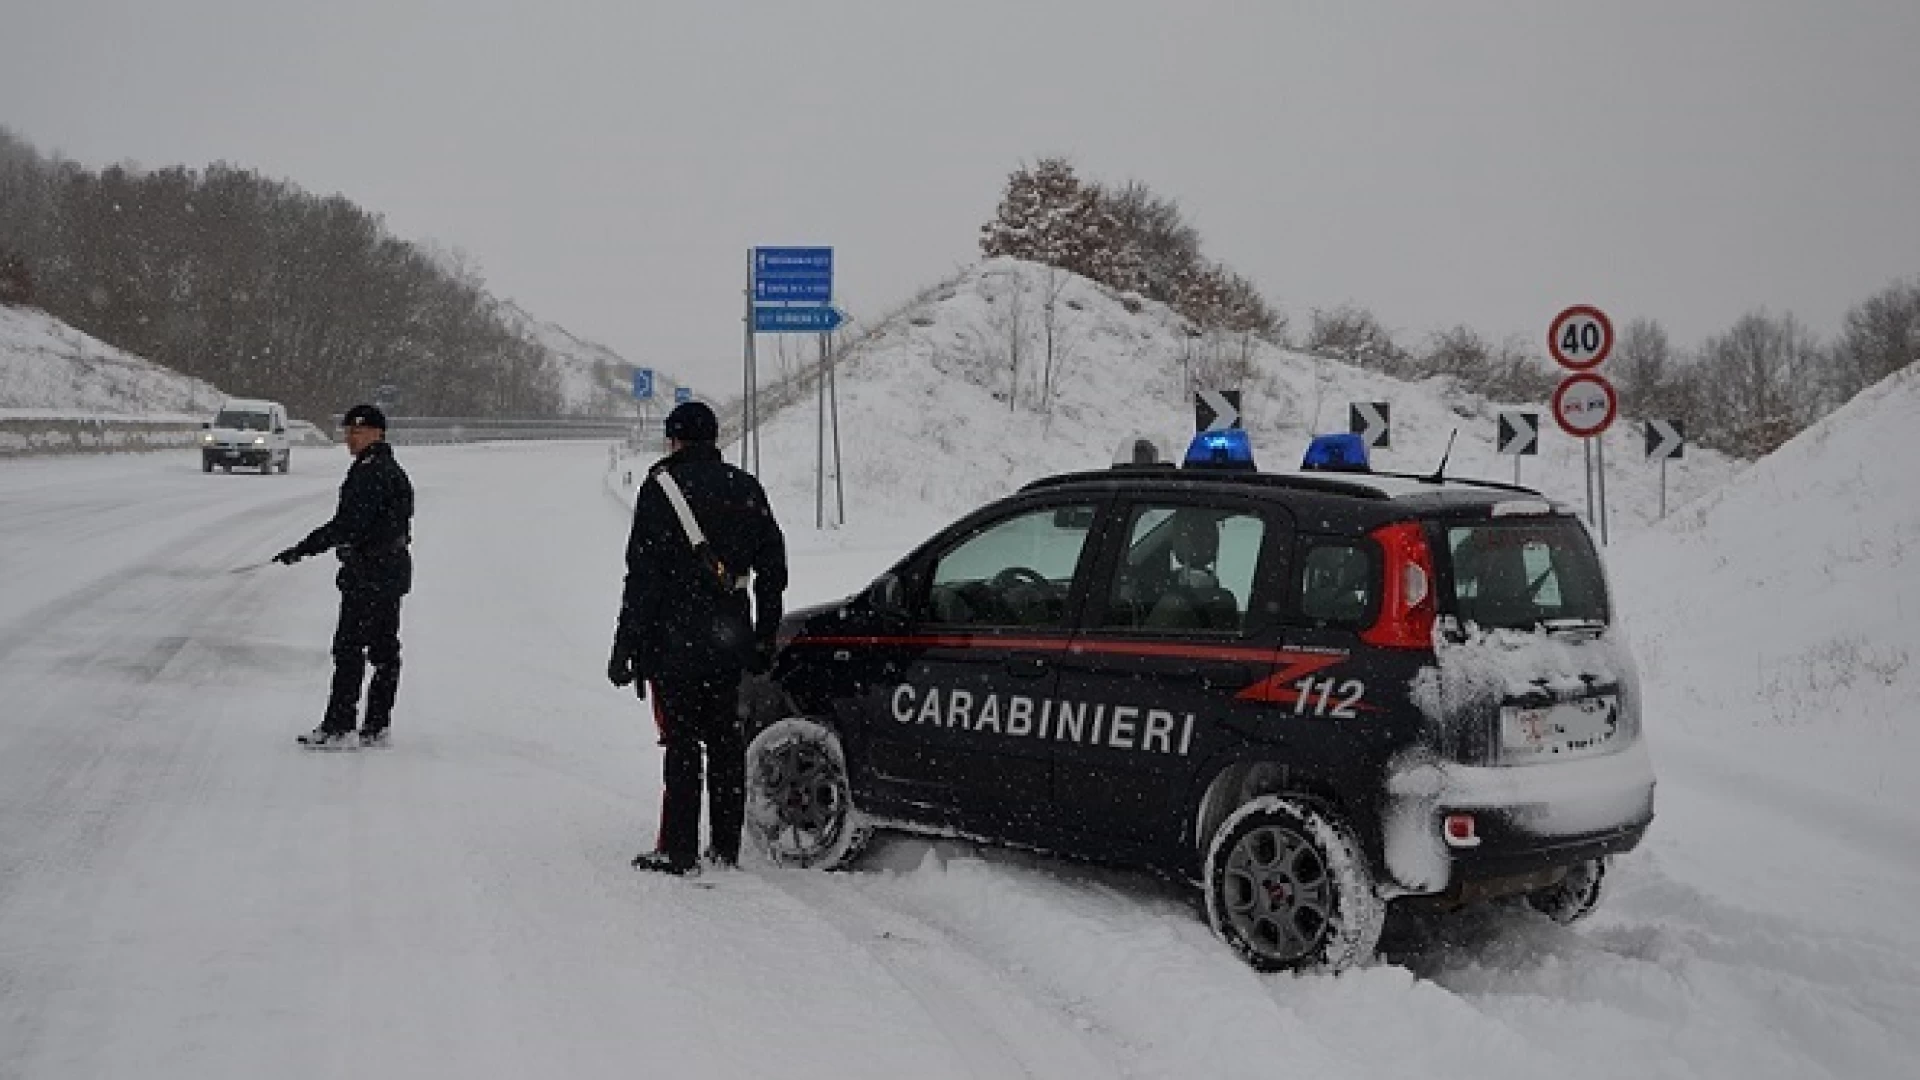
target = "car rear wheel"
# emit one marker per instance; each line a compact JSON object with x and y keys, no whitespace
{"x":799,"y":798}
{"x":1575,"y":896}
{"x":1288,"y":889}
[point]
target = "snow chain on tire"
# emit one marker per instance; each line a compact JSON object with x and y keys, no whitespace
{"x":799,"y":798}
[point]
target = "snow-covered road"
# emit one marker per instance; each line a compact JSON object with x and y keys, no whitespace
{"x":185,"y":893}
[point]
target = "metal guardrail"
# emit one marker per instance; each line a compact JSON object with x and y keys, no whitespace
{"x":643,"y":433}
{"x":426,"y":430}
{"x":22,"y":436}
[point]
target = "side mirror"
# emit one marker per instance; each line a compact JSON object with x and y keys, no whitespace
{"x":279,"y":431}
{"x":206,"y":423}
{"x":887,"y":597}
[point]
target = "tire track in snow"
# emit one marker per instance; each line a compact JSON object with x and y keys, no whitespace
{"x":1001,"y":1027}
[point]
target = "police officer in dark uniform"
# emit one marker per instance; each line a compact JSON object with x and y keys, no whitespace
{"x":685,"y":626}
{"x":369,"y":533}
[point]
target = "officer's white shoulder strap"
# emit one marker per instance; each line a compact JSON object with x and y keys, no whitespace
{"x":687,"y":521}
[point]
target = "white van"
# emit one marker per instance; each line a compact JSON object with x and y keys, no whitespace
{"x":247,"y":432}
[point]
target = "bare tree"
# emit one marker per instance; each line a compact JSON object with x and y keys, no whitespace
{"x":262,"y":288}
{"x":1354,"y":334}
{"x":1009,"y":323}
{"x":1166,"y":249}
{"x":1760,"y":382}
{"x":16,"y":281}
{"x":1515,"y":371}
{"x":1460,"y":352}
{"x":1881,"y":335}
{"x":1058,"y":344}
{"x":1642,"y":366}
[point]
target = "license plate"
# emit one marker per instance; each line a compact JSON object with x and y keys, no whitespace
{"x":1559,"y":732}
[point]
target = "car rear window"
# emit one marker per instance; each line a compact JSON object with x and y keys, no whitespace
{"x":1520,"y":574}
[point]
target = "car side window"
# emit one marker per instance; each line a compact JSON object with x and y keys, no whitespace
{"x":1336,"y":582}
{"x":1185,"y":568}
{"x":1015,"y":572}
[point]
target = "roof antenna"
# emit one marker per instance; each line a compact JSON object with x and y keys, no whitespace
{"x":1440,"y":474}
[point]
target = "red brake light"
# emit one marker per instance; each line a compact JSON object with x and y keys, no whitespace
{"x":1406,"y":601}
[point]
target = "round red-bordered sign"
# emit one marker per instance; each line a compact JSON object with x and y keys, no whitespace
{"x":1580,"y":337}
{"x":1584,"y":405}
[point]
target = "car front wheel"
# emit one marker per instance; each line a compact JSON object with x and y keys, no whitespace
{"x":1288,"y":888}
{"x":799,"y":798}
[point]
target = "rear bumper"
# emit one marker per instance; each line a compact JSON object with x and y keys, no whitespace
{"x":1530,"y":822}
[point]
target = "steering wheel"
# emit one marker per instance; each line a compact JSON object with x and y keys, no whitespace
{"x":1020,"y":575}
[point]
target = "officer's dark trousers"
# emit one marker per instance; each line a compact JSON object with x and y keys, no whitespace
{"x":369,"y":631}
{"x":696,"y":715}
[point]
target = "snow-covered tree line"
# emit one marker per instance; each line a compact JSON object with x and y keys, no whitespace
{"x":260,"y":288}
{"x":1744,"y":391}
{"x":1128,"y":238}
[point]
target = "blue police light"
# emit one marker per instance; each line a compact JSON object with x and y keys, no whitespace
{"x":1229,"y":449}
{"x":1337,"y":453}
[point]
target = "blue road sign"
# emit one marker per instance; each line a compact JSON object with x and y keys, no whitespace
{"x":793,"y":274}
{"x":643,"y":383}
{"x":808,"y":319}
{"x":682,"y":395}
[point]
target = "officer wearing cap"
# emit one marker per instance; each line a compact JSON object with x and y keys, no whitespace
{"x":369,"y":534}
{"x":685,"y":626}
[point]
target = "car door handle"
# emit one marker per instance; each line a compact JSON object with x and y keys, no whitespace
{"x":1028,"y":667}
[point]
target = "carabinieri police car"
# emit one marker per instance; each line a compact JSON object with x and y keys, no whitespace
{"x":1311,"y":694}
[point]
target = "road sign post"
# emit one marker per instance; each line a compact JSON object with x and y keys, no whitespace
{"x":1584,"y":406}
{"x":790,"y":291}
{"x":1665,"y":440}
{"x":1518,"y":435}
{"x":1580,"y":338}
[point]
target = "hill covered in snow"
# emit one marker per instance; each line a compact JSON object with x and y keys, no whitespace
{"x":594,"y":380}
{"x":931,"y":385}
{"x":47,"y":367}
{"x":1785,"y":606}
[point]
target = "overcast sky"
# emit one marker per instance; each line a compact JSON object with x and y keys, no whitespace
{"x":607,"y":164}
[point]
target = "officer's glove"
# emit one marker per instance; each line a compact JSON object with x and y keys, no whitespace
{"x":288,"y":557}
{"x":761,"y":661}
{"x":623,"y":664}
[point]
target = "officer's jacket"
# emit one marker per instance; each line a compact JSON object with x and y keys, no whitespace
{"x":372,"y":527}
{"x":666,"y":608}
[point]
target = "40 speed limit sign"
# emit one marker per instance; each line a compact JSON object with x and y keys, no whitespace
{"x":1580,"y":337}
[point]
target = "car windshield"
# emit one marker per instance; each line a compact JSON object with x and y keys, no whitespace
{"x":241,"y":421}
{"x":1522,"y":574}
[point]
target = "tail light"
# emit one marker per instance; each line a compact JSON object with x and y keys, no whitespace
{"x":1461,"y":831}
{"x":1406,"y":602}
